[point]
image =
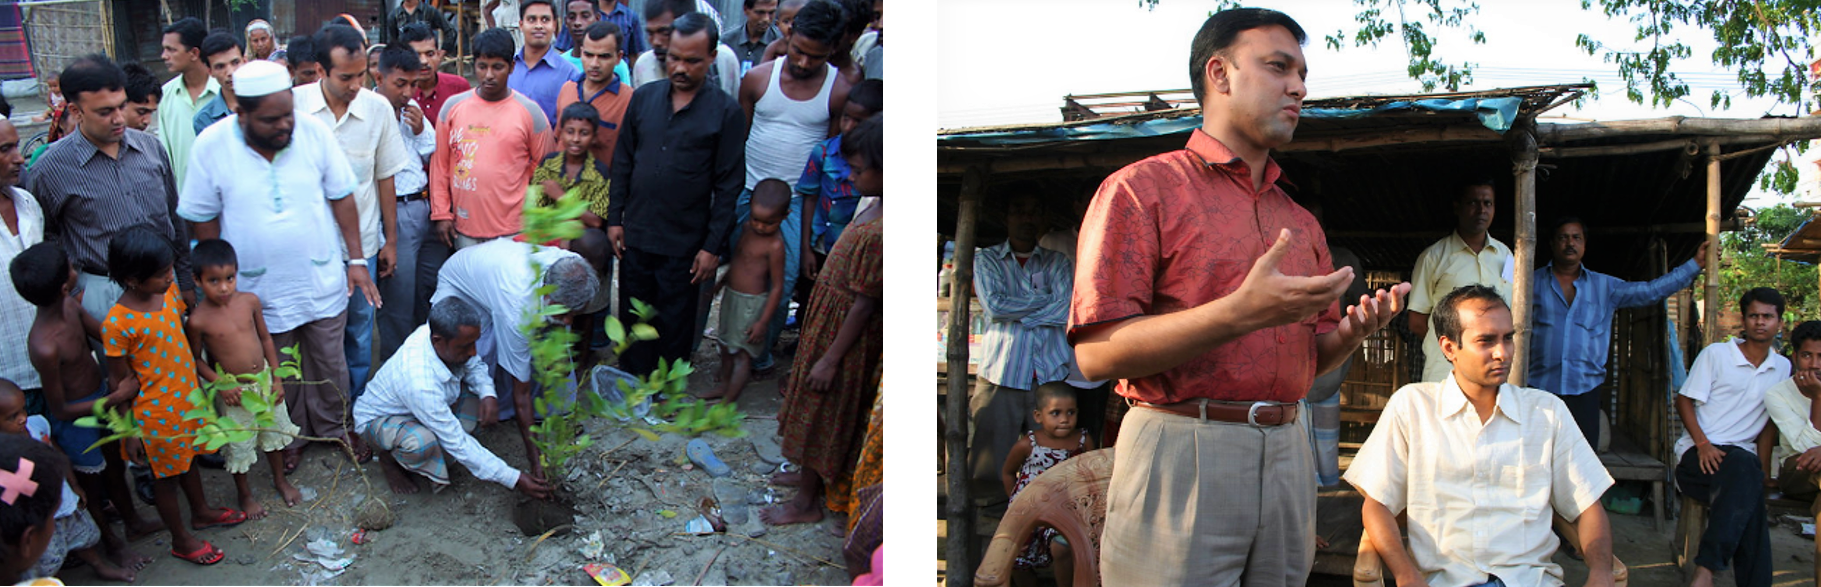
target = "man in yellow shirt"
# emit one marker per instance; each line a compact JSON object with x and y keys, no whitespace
{"x":1465,"y":257}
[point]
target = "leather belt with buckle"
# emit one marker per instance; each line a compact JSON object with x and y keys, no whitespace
{"x":1262,"y":414}
{"x":421,"y":194}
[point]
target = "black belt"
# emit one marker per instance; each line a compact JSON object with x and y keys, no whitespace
{"x":413,"y":197}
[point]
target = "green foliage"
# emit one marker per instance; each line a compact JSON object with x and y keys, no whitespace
{"x":216,"y":429}
{"x":1745,"y":264}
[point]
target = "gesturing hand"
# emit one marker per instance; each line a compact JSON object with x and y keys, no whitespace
{"x":1276,"y":299}
{"x":1373,"y":312}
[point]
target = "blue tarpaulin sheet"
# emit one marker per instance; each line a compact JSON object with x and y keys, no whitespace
{"x":1495,"y":113}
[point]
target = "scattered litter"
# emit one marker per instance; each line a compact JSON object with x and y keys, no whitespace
{"x":592,"y":547}
{"x":607,"y":575}
{"x":359,"y":537}
{"x":308,"y":493}
{"x":699,"y":525}
{"x":658,"y":578}
{"x":667,"y":513}
{"x":1808,"y":530}
{"x":327,"y":554}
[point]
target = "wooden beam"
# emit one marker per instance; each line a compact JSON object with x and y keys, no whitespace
{"x":1691,"y":145}
{"x":1523,"y":167}
{"x":960,"y":514}
{"x":1710,"y":316}
{"x":1784,"y":128}
{"x":1466,"y":133}
{"x":1671,"y":228}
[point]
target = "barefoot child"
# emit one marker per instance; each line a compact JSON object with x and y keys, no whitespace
{"x":29,"y":499}
{"x":228,"y":324}
{"x":1056,"y":439}
{"x":72,"y":383}
{"x":76,"y":530}
{"x":143,"y":336}
{"x":755,"y":283}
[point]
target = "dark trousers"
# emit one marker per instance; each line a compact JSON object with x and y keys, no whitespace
{"x":663,"y":282}
{"x":1737,"y":533}
{"x":1586,"y":411}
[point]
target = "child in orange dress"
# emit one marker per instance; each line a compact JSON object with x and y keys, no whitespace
{"x":143,"y":336}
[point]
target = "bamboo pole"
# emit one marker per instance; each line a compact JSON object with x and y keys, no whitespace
{"x":1523,"y":166}
{"x":960,"y":512}
{"x":1710,"y":314}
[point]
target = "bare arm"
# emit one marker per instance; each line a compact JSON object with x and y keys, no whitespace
{"x":1767,"y":441}
{"x":1596,"y":543}
{"x":1710,"y":456}
{"x":1418,"y":323}
{"x":193,"y":331}
{"x":1381,"y":526}
{"x":207,"y":230}
{"x":487,"y":12}
{"x":1370,"y":314}
{"x":271,"y":349}
{"x":775,"y":260}
{"x":1014,"y":460}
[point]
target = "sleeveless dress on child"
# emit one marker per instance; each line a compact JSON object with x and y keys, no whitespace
{"x":160,"y":354}
{"x":1037,"y":552}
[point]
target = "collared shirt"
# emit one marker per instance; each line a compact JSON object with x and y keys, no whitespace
{"x":177,"y":121}
{"x":1449,"y":264}
{"x":447,"y":86}
{"x":495,"y":277}
{"x":417,"y":383}
{"x":88,"y":197}
{"x":724,"y":73}
{"x":610,"y":102}
{"x":590,"y":184}
{"x":542,"y":80}
{"x":276,"y":213}
{"x":1181,"y":229}
{"x":676,"y":175}
{"x":16,"y":314}
{"x":1569,"y":343}
{"x":1027,"y":307}
{"x":630,"y":29}
{"x":418,"y":147}
{"x":1479,"y":494}
{"x":827,"y":182}
{"x":1790,"y":409}
{"x":619,"y":71}
{"x":483,"y":161}
{"x":215,"y":110}
{"x":1729,"y":395}
{"x":426,"y":14}
{"x":374,"y":150}
{"x":747,"y":48}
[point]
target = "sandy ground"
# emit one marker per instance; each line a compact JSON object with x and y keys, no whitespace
{"x":464,"y":534}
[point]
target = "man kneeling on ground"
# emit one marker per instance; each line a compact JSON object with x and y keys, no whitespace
{"x":1478,"y":464}
{"x":409,"y":411}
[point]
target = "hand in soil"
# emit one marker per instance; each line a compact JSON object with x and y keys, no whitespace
{"x":784,"y":514}
{"x":532,"y":485}
{"x":362,"y":454}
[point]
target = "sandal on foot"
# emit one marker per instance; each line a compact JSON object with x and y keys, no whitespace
{"x":229,"y":518}
{"x":207,"y":555}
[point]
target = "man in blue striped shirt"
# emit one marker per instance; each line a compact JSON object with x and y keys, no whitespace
{"x":1025,"y":290}
{"x":1571,"y":321}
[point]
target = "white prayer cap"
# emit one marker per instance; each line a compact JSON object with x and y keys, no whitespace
{"x":260,"y":77}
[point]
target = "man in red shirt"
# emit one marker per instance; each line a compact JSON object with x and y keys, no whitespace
{"x":1205,"y":290}
{"x":435,"y":87}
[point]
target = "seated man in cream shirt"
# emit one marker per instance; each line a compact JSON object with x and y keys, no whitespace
{"x":1479,"y":465}
{"x":1792,"y":407}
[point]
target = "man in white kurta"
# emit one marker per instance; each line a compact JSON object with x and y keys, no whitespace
{"x":1791,"y":405}
{"x":1479,"y":472}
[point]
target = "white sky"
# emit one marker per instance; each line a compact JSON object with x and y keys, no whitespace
{"x":1012,"y":61}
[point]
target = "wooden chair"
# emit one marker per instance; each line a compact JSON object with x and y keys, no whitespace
{"x":1070,"y":497}
{"x":1691,"y":521}
{"x":1369,"y":569}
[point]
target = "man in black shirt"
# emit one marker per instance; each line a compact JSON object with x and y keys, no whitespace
{"x":416,"y":11}
{"x":678,"y":166}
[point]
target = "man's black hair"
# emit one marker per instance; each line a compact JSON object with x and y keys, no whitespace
{"x":190,"y":31}
{"x":866,"y":140}
{"x":1221,"y":29}
{"x":495,"y":43}
{"x":525,"y":5}
{"x":1763,"y":295}
{"x":141,"y":85}
{"x":1447,"y":318}
{"x":219,"y":42}
{"x":415,"y":32}
{"x":399,"y":58}
{"x":39,"y":273}
{"x":334,"y":37}
{"x":749,"y":4}
{"x":820,"y":21}
{"x":869,"y":94}
{"x":675,"y":8}
{"x":1555,"y":226}
{"x":1804,"y":332}
{"x":595,"y":4}
{"x":1467,"y":187}
{"x":693,"y":23}
{"x":138,"y":254}
{"x":855,"y":13}
{"x":213,"y":253}
{"x":771,"y":193}
{"x":602,"y":29}
{"x":579,"y":111}
{"x":6,"y":108}
{"x":301,"y":50}
{"x":91,"y":73}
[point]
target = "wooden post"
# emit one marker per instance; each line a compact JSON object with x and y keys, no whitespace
{"x":960,"y":514}
{"x":1710,"y":314}
{"x":1523,"y":168}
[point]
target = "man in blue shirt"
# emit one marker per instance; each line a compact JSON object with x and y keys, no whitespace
{"x":539,"y":70}
{"x":1571,"y":321}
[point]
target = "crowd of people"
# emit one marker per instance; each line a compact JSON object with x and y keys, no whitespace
{"x":360,"y":204}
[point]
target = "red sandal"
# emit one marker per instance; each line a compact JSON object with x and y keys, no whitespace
{"x":229,"y":517}
{"x":207,"y":555}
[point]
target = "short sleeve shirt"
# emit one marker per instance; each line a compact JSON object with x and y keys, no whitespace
{"x":1729,"y":395}
{"x":368,"y":134}
{"x":1179,"y":230}
{"x":495,"y":277}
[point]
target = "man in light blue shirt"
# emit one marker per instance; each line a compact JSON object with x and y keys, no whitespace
{"x":539,"y":70}
{"x":1571,"y":320}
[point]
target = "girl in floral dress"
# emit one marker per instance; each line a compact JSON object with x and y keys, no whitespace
{"x":1056,"y":439}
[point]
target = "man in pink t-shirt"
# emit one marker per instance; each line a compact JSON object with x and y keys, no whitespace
{"x":489,"y":141}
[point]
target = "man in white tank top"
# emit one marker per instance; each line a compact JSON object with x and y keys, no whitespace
{"x":792,"y":104}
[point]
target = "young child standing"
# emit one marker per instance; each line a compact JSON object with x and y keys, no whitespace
{"x":828,"y":181}
{"x":572,"y":171}
{"x":76,"y":530}
{"x":29,"y":500}
{"x":228,"y":324}
{"x":1056,"y":439}
{"x":58,"y":347}
{"x":143,"y":337}
{"x":754,"y":285}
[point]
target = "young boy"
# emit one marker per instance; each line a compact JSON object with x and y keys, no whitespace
{"x":828,"y":180}
{"x":572,"y":171}
{"x":76,"y":529}
{"x":72,"y":382}
{"x":758,"y":266}
{"x":228,"y":324}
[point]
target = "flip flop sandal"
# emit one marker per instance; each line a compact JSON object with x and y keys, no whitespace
{"x":704,"y":457}
{"x":229,"y":518}
{"x":205,"y":556}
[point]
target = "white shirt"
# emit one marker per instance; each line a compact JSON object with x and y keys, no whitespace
{"x":1479,"y":495}
{"x":1729,"y":395}
{"x":418,"y":146}
{"x":416,"y":383}
{"x":1789,"y":409}
{"x":40,"y":430}
{"x":17,"y":315}
{"x":495,"y":277}
{"x":276,"y":214}
{"x":648,"y":68}
{"x":1444,"y":266}
{"x":506,"y":14}
{"x":374,"y":150}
